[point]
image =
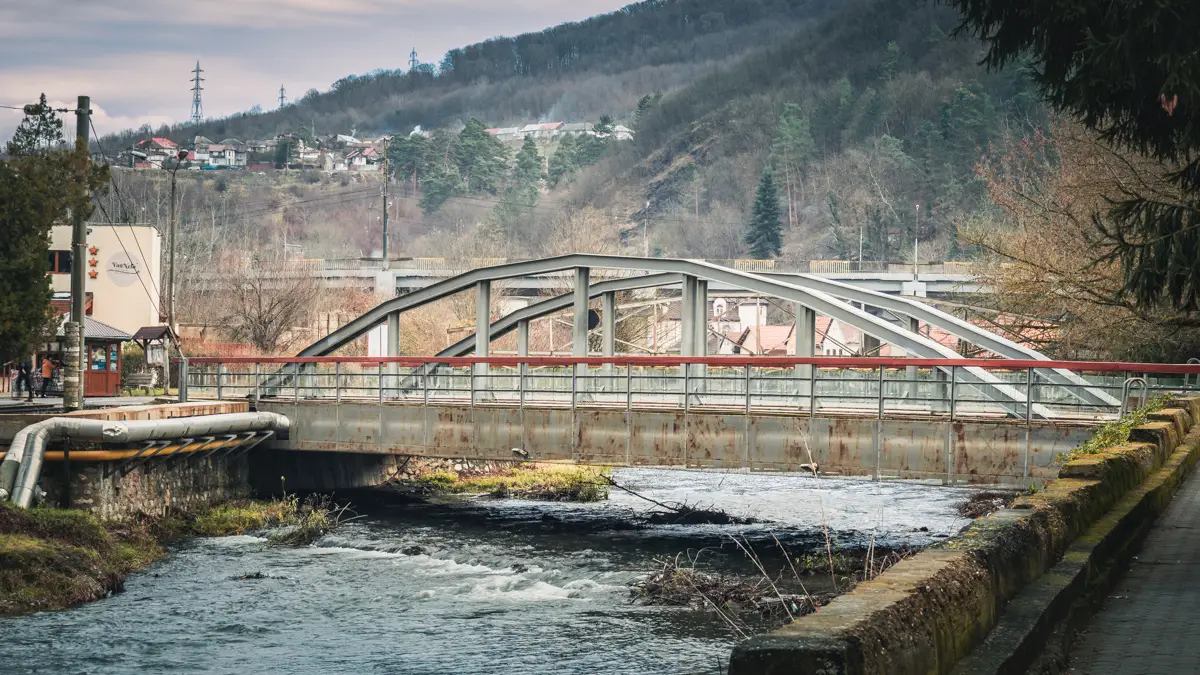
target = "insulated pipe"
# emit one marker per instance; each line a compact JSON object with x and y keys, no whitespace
{"x":23,"y":463}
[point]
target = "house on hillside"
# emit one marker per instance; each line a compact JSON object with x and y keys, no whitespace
{"x":506,"y":134}
{"x":363,"y":159}
{"x":158,"y":151}
{"x":576,"y":129}
{"x":622,"y":133}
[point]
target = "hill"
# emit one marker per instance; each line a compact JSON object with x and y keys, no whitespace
{"x":866,"y":115}
{"x":871,"y":116}
{"x":575,"y":71}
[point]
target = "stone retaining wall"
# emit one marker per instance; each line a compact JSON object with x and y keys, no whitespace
{"x":186,"y":483}
{"x":926,"y":613}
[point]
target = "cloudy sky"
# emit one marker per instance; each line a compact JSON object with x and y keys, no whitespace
{"x":134,"y":57}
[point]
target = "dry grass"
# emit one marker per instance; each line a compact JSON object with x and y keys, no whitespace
{"x":541,"y":482}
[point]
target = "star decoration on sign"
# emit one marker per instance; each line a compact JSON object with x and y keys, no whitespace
{"x":93,"y":274}
{"x":93,"y":250}
{"x":93,"y":262}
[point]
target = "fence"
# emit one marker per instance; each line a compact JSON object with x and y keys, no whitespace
{"x":876,"y":387}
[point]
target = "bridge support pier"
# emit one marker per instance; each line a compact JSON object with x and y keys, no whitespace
{"x":804,"y":344}
{"x":687,"y":331}
{"x":608,"y":316}
{"x":483,"y":320}
{"x":393,"y":349}
{"x":910,"y":373}
{"x":579,"y":327}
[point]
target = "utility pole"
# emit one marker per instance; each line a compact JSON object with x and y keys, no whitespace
{"x":412,"y":60}
{"x":860,"y":244}
{"x":73,"y":333}
{"x":282,"y":96}
{"x":386,"y":262}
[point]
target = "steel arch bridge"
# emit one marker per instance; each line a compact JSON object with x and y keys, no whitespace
{"x":812,"y":295}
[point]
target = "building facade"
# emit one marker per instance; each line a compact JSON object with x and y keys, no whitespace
{"x":123,"y":276}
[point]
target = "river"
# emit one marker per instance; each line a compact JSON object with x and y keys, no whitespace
{"x":485,"y":586}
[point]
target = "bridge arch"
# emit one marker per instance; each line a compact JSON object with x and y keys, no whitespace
{"x":814,"y":293}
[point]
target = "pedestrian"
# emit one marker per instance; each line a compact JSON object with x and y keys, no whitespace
{"x":47,"y":374}
{"x":24,"y":373}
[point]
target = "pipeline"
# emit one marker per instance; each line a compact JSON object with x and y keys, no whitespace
{"x":22,"y":463}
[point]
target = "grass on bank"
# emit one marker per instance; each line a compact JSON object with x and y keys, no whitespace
{"x":1117,"y":432}
{"x":537,"y":482}
{"x":56,"y":558}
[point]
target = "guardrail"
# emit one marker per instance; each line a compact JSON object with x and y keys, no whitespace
{"x":876,"y":387}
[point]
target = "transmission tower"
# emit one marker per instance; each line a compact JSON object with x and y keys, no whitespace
{"x":412,"y":60}
{"x":197,"y":106}
{"x":282,"y":96}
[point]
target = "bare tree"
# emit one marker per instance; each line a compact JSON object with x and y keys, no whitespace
{"x":268,"y":304}
{"x":1043,"y":245}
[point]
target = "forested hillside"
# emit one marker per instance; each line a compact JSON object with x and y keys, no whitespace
{"x":575,"y":71}
{"x":871,"y":119}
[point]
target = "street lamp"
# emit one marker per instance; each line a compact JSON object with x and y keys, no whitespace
{"x":916,"y":239}
{"x":179,"y":157}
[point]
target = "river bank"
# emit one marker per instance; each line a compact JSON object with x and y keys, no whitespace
{"x":479,"y":584}
{"x":55,"y":559}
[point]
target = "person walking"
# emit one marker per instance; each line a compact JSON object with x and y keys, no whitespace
{"x":47,"y":374}
{"x":24,"y":373}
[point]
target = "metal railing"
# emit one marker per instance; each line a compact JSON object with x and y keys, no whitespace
{"x":458,"y":265}
{"x":876,"y":387}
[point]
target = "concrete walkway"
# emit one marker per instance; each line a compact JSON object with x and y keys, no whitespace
{"x":1150,"y":624}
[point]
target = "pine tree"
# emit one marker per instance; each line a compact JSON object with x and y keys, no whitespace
{"x":1128,"y":70}
{"x":523,"y":190}
{"x":37,"y":133}
{"x":792,"y":149}
{"x":764,"y":233}
{"x":482,"y":160}
{"x":37,"y":191}
{"x":563,"y":163}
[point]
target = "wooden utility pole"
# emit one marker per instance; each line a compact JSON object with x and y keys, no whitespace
{"x":73,"y":334}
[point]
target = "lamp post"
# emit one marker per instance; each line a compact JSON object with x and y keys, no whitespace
{"x":916,"y":239}
{"x":179,"y":157}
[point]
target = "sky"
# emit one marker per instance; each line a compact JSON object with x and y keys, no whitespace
{"x":135,"y":57}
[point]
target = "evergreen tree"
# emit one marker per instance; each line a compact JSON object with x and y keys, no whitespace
{"x":791,"y":151}
{"x":764,"y":233}
{"x":523,"y":190}
{"x":1129,"y":70}
{"x":409,"y":157}
{"x":482,"y":160}
{"x":563,"y":163}
{"x":38,"y":191}
{"x":37,"y":133}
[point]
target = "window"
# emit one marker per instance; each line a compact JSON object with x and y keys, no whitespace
{"x":60,"y":262}
{"x":99,"y":357}
{"x":113,"y":360}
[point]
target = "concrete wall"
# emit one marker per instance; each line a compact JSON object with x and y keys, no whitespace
{"x":963,"y":451}
{"x":184,"y":483}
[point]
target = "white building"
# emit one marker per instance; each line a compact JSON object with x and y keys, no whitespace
{"x":122,"y":280}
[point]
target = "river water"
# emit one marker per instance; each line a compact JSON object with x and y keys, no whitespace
{"x":486,"y":586}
